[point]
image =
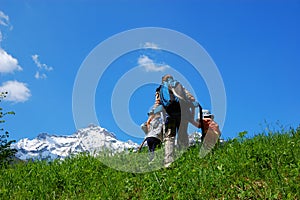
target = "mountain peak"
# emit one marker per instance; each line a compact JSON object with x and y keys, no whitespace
{"x":91,"y":125}
{"x":92,"y":128}
{"x":42,"y":136}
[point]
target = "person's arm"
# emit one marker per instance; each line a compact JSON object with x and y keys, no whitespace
{"x":190,"y":99}
{"x":210,"y":123}
{"x":189,"y":96}
{"x":156,"y":104}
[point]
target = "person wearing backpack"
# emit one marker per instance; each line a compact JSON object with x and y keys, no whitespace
{"x":177,"y":103}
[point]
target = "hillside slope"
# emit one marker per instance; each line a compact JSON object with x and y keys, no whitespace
{"x":266,"y":166}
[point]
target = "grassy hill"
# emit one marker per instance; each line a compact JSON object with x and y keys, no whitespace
{"x":266,"y":166}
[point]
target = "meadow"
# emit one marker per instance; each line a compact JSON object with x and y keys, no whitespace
{"x":266,"y":166}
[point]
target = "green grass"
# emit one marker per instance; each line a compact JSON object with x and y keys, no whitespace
{"x":266,"y":166}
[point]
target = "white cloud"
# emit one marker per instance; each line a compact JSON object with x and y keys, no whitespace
{"x":4,"y":19}
{"x":8,"y":64}
{"x":4,"y":23}
{"x":41,"y":68}
{"x":38,"y":75}
{"x":150,"y":45}
{"x":150,"y":66}
{"x":35,"y":59}
{"x":17,"y":91}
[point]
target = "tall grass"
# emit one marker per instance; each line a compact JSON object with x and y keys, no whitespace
{"x":266,"y":166}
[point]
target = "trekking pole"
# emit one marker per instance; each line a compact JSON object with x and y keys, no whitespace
{"x":201,"y":123}
{"x":164,"y":125}
{"x":141,"y":146}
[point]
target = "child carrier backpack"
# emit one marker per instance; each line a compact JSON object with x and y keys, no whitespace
{"x":171,"y":91}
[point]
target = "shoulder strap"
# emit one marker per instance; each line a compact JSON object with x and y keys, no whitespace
{"x":165,"y":93}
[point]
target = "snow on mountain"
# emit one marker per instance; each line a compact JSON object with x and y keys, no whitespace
{"x":91,"y":139}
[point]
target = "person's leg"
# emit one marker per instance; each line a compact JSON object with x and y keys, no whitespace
{"x":169,"y":139}
{"x":157,"y":143}
{"x":183,"y":139}
{"x":152,"y":144}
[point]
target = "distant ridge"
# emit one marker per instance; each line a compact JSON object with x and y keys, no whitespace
{"x":91,"y":139}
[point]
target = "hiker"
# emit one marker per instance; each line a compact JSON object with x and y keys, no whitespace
{"x":178,"y":115}
{"x":209,"y":123}
{"x":154,"y":132}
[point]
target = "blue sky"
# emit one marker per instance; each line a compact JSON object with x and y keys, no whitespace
{"x":43,"y":44}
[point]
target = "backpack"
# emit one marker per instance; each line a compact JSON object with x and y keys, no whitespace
{"x":171,"y":92}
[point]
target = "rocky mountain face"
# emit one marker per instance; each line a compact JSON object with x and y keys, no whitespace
{"x":91,"y":139}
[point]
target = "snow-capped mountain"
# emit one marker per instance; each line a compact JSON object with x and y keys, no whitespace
{"x":91,"y":139}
